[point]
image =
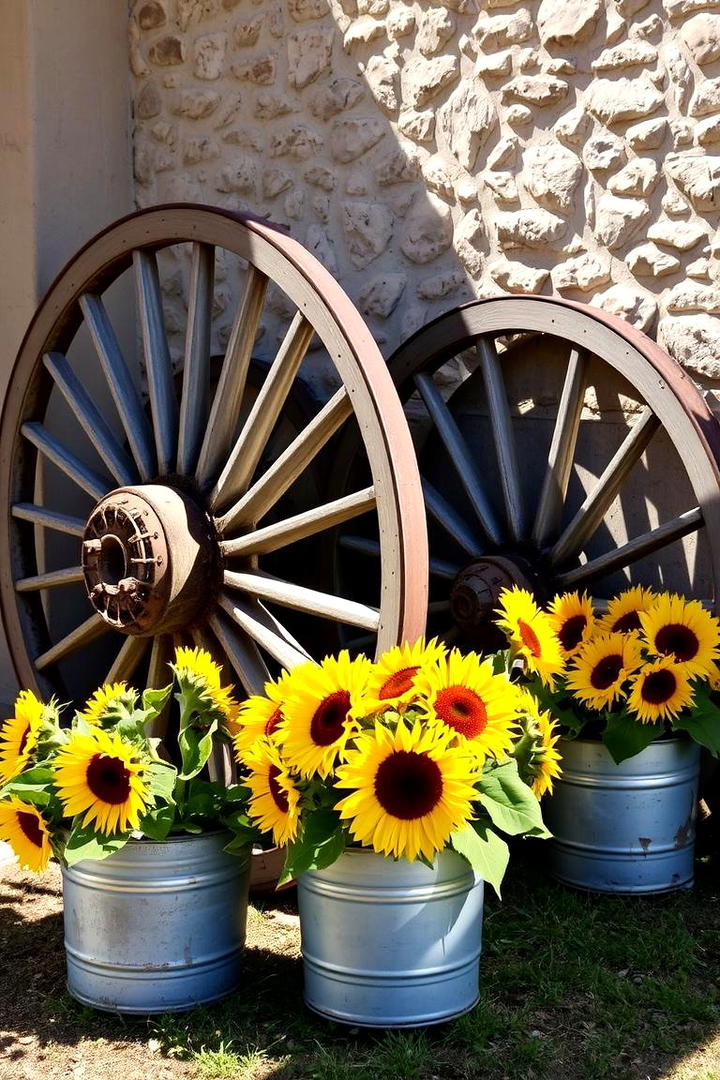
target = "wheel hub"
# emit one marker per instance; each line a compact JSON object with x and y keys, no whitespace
{"x":150,"y":559}
{"x":476,"y":590}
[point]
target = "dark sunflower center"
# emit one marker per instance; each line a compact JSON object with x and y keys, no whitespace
{"x":278,"y":793}
{"x":273,"y":721}
{"x":571,"y":632}
{"x":627,"y":622}
{"x":606,"y":672}
{"x":529,"y":638}
{"x":408,"y":785}
{"x":108,"y":778}
{"x":678,"y":641}
{"x":30,"y":827}
{"x":462,"y":709}
{"x":23,"y":740}
{"x":658,"y":687}
{"x":398,"y":683}
{"x":329,"y":718}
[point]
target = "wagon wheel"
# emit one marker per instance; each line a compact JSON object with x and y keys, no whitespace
{"x":141,"y":509}
{"x":520,"y":486}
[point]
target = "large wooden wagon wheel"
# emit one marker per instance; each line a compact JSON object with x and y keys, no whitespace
{"x":141,"y":508}
{"x":573,"y":454}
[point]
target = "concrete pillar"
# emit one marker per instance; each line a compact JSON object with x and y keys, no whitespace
{"x":65,"y":156}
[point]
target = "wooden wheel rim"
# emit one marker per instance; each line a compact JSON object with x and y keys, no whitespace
{"x":331,"y":315}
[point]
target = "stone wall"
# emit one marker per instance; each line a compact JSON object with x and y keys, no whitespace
{"x":428,"y":153}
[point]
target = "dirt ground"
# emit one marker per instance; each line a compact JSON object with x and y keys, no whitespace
{"x":43,"y":1034}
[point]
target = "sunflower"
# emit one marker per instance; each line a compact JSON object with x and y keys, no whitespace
{"x":573,"y":620}
{"x":661,"y":690}
{"x":530,"y":631}
{"x":409,"y":789}
{"x":24,"y":828}
{"x":100,"y":776}
{"x":321,"y":711}
{"x":543,"y":759}
{"x":260,"y":716}
{"x":623,"y":613}
{"x":393,"y":677}
{"x":19,"y":735}
{"x":463,"y":695}
{"x":601,"y":666}
{"x":105,"y":698}
{"x":684,"y":630}
{"x":198,"y":665}
{"x":274,"y":795}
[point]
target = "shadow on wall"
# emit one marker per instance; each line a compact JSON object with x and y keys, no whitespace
{"x":428,"y":154}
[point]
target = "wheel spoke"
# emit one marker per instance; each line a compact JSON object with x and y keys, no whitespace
{"x":231,"y":386}
{"x":436,"y":607}
{"x":82,"y":635}
{"x":449,"y":519}
{"x":251,"y":442}
{"x":67,"y":462}
{"x":243,"y":654}
{"x":302,"y":525}
{"x":634,"y":549}
{"x":300,"y":598}
{"x":91,"y":419}
{"x":252,"y":617}
{"x":270,"y":487}
{"x":562,"y":450}
{"x":163,"y":403}
{"x":459,"y":455}
{"x":196,"y":368}
{"x":503,"y":436}
{"x":122,"y":387}
{"x":360,"y":544}
{"x":597,"y":501}
{"x":127,"y":660}
{"x":70,"y":575}
{"x":49,"y":519}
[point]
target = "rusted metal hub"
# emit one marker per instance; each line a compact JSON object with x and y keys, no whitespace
{"x":150,"y":559}
{"x":476,"y":589}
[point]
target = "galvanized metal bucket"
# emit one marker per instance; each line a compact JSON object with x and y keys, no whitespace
{"x":627,"y":828}
{"x":391,"y":944}
{"x":156,"y":927}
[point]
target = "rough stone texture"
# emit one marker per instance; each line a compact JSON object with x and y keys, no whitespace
{"x":431,"y":152}
{"x":553,"y":172}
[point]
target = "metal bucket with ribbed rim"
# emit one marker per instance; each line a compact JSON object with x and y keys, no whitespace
{"x":627,"y":828}
{"x":388,"y":943}
{"x":156,"y":927}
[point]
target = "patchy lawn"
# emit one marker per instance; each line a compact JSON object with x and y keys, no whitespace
{"x":573,"y":986}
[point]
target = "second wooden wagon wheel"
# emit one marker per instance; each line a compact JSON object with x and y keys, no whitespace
{"x":141,"y":508}
{"x":561,"y":449}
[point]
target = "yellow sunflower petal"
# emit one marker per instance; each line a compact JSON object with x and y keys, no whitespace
{"x":101,"y":776}
{"x":26,"y":831}
{"x":104,"y":698}
{"x":573,"y":620}
{"x":19,"y":735}
{"x":623,"y":613}
{"x":530,"y":631}
{"x":684,"y":631}
{"x":660,"y":691}
{"x":275,"y":797}
{"x":601,"y":667}
{"x":392,"y":679}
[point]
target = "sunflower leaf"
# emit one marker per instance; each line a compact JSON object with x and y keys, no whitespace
{"x":624,"y":736}
{"x":85,"y":843}
{"x":158,"y":822}
{"x":510,"y":803}
{"x":155,"y":700}
{"x":318,"y":845}
{"x":161,"y":781}
{"x":702,"y":721}
{"x":195,"y":748}
{"x":487,"y":853}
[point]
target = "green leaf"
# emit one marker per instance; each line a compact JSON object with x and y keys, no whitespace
{"x":510,"y":802}
{"x":158,"y":822}
{"x":625,"y":736}
{"x":34,"y":786}
{"x":85,"y":843}
{"x":702,"y":721}
{"x":487,"y":853}
{"x":318,"y":845}
{"x":195,"y":748}
{"x":155,"y":700}
{"x":161,"y":781}
{"x":241,"y":843}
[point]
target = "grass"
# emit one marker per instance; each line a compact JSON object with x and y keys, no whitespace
{"x":582,"y":987}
